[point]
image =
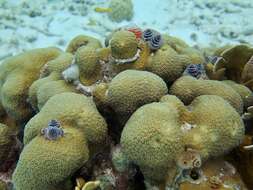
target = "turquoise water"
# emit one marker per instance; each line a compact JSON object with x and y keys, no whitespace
{"x":26,"y":25}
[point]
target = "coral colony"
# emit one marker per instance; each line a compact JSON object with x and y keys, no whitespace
{"x":146,"y":111}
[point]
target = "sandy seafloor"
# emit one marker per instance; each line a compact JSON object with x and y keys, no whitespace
{"x":28,"y":24}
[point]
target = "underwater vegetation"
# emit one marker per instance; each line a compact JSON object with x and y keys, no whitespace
{"x":141,"y":110}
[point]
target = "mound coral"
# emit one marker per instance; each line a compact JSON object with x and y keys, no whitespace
{"x":244,"y":91}
{"x":53,"y":130}
{"x":195,"y":56}
{"x":124,"y":45}
{"x":14,"y":81}
{"x":157,"y":134}
{"x":82,"y":40}
{"x":57,"y":65}
{"x":52,"y":161}
{"x":120,"y":10}
{"x":83,"y":128}
{"x":87,"y":60}
{"x":50,"y":82}
{"x":168,"y":64}
{"x":131,"y":89}
{"x":48,"y":90}
{"x":52,"y":100}
{"x":188,"y":88}
{"x":138,"y":61}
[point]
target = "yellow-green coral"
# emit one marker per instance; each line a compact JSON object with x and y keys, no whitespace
{"x":46,"y":86}
{"x":120,"y":10}
{"x":168,"y":64}
{"x":99,"y":94}
{"x":46,"y":164}
{"x":240,"y":89}
{"x":151,"y":139}
{"x":36,"y":85}
{"x":50,"y":89}
{"x":158,"y":133}
{"x":71,"y":110}
{"x":82,"y":40}
{"x":52,"y":162}
{"x":57,"y":65}
{"x":187,"y":88}
{"x":123,"y":44}
{"x":87,"y":60}
{"x":138,"y":64}
{"x":131,"y":89}
{"x":17,"y":74}
{"x":182,"y":48}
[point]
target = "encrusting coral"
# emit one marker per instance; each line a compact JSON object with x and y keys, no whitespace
{"x":81,"y":127}
{"x":157,"y":134}
{"x":215,"y":174}
{"x":14,"y":80}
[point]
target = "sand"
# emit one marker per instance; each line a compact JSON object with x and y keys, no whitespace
{"x":25,"y":24}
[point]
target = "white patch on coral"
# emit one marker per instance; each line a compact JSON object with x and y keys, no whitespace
{"x":71,"y":74}
{"x":186,"y":127}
